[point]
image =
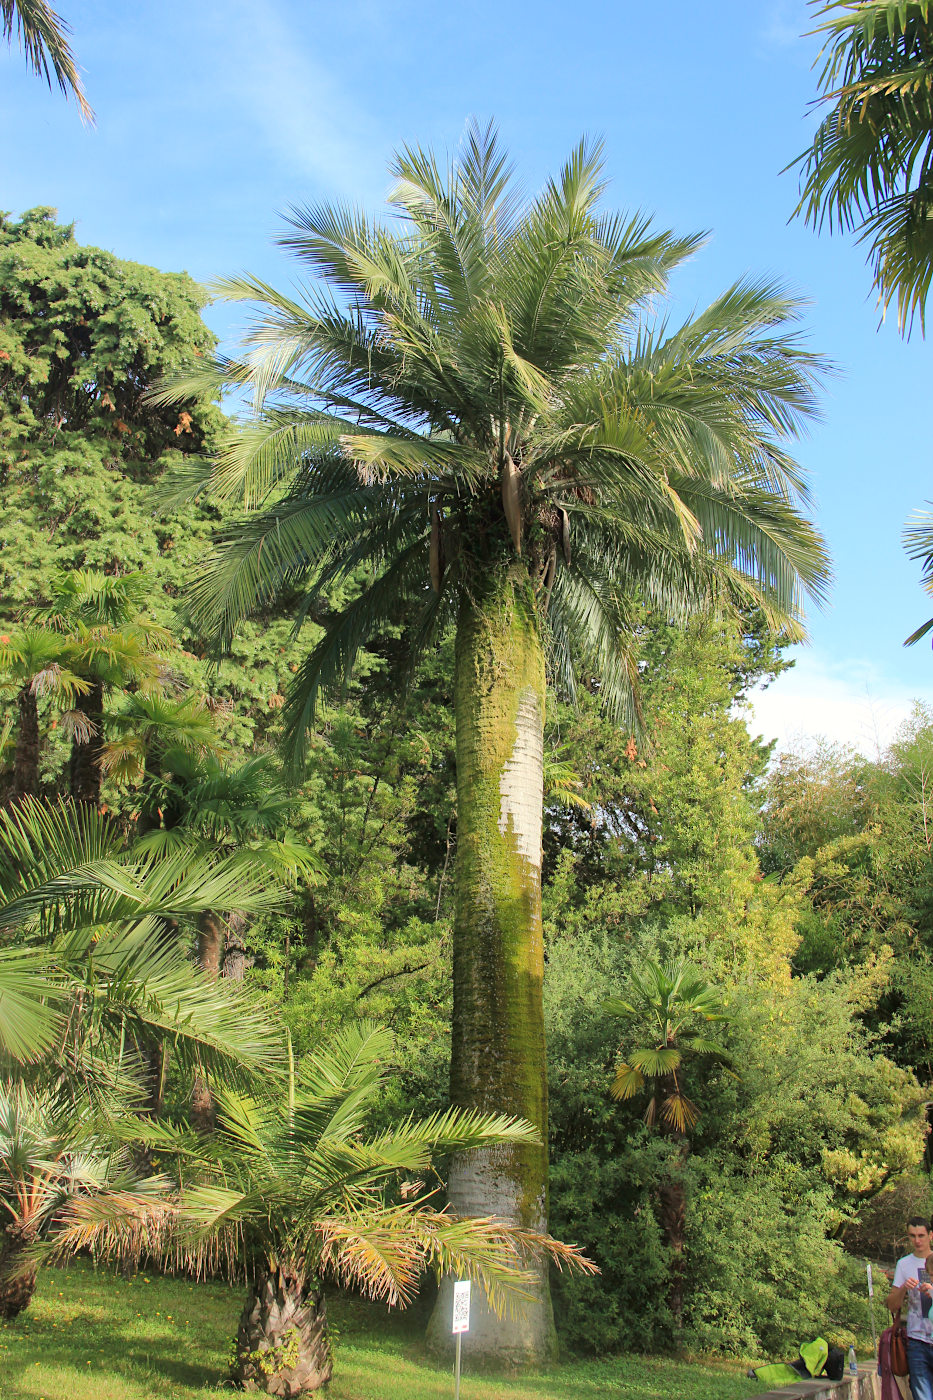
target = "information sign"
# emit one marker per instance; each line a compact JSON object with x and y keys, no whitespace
{"x":461,"y":1307}
{"x":871,"y":1287}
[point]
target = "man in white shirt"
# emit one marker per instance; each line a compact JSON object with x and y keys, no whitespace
{"x":913,"y":1281}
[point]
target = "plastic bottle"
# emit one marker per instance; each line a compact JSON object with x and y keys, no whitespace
{"x":853,"y":1362}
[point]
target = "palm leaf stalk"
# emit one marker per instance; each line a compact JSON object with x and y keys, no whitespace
{"x":473,"y":406}
{"x":303,"y":1194}
{"x":663,"y":1004}
{"x":870,"y":167}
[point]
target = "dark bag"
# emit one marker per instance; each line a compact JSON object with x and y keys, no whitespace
{"x":898,"y":1346}
{"x":835,"y":1366}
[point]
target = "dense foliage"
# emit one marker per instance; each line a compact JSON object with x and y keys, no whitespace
{"x":801,"y":891}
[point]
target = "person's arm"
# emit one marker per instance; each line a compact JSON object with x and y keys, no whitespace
{"x":902,"y":1282}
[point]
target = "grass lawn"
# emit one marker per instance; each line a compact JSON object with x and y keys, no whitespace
{"x":97,"y":1336}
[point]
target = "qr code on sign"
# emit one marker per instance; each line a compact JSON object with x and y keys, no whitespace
{"x":461,"y":1321}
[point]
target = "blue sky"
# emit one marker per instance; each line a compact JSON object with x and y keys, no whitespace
{"x":212,"y":118}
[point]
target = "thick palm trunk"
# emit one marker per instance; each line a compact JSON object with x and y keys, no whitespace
{"x":235,"y":959}
{"x":282,"y":1345}
{"x":85,"y":758}
{"x":16,"y":1285}
{"x":498,"y":1053}
{"x":26,"y":760}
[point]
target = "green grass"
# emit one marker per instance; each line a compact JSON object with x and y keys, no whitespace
{"x":97,"y":1336}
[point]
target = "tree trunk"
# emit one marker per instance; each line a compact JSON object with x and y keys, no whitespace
{"x":672,"y":1209}
{"x":282,"y":1345}
{"x":498,"y":1053}
{"x":16,"y":1292}
{"x":26,"y":760}
{"x":84,"y":765}
{"x":235,"y":959}
{"x":211,"y":933}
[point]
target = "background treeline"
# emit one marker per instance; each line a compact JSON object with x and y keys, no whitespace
{"x":801,"y":892}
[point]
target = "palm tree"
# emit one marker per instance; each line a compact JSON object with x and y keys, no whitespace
{"x":155,"y":729}
{"x":470,"y":410}
{"x":43,"y":36}
{"x":114,"y":645}
{"x":86,"y":971}
{"x":666,"y":1001}
{"x":37,"y":662}
{"x":238,"y":812}
{"x":302,"y":1194}
{"x":871,"y":163}
{"x":50,"y":1156}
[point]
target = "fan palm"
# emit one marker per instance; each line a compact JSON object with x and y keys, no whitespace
{"x":151,"y":727}
{"x":301,"y":1193}
{"x":470,"y":407}
{"x":665,"y":1002}
{"x":43,"y":36}
{"x":38,"y":661}
{"x":114,"y":646}
{"x":240,"y":812}
{"x":871,"y":163}
{"x":86,"y":971}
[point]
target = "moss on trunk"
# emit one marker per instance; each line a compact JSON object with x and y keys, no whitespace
{"x":498,"y":1051}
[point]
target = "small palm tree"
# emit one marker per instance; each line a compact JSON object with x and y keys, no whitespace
{"x":43,"y":36}
{"x":114,"y":646}
{"x":664,"y":1003}
{"x":871,"y":163}
{"x":37,"y":661}
{"x":151,"y":727}
{"x":241,"y":813}
{"x":301,"y":1193}
{"x":49,"y":1158}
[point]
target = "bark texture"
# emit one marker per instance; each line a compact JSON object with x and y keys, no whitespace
{"x":16,"y":1286}
{"x":282,"y":1346}
{"x":235,"y":960}
{"x":84,"y":764}
{"x":498,"y":1052}
{"x":26,"y":759}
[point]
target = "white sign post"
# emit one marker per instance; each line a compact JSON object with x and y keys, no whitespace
{"x":871,"y":1308}
{"x":461,"y":1324}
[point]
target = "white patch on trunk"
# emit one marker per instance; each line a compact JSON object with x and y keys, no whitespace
{"x":522,"y":783}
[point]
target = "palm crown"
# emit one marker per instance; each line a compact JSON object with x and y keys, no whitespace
{"x":869,"y":165}
{"x":298,"y":1191}
{"x":479,"y":387}
{"x":667,"y":1000}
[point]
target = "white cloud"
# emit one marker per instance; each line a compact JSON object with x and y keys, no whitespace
{"x":846,"y":703}
{"x":308,"y":119}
